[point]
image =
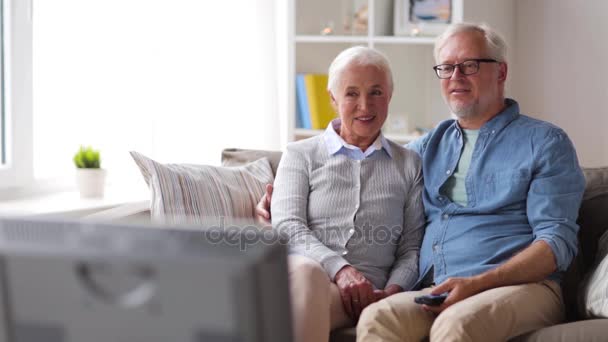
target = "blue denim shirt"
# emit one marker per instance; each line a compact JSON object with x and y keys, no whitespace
{"x":524,"y":184}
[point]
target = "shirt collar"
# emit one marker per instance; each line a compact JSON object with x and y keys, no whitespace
{"x":334,"y":142}
{"x":508,"y":114}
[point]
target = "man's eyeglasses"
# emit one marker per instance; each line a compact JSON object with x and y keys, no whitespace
{"x":468,"y":67}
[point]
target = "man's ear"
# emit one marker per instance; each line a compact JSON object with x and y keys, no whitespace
{"x":503,"y":69}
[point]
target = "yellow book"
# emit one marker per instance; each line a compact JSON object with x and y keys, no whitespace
{"x":319,"y":103}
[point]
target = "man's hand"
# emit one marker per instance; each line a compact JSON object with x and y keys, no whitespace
{"x":262,"y":209}
{"x":459,"y":289}
{"x":356,"y":291}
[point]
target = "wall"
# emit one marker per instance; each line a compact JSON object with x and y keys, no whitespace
{"x":561,"y":53}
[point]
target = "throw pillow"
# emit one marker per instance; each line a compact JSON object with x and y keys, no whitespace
{"x":186,"y":193}
{"x":595,"y":287}
{"x":238,"y":156}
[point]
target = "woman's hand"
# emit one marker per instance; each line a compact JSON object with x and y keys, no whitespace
{"x":388,"y":291}
{"x":356,"y":291}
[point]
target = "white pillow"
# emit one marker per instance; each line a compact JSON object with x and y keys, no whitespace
{"x":185,"y":193}
{"x":595,"y":287}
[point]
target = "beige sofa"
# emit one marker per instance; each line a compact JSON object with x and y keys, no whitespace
{"x":593,"y":220}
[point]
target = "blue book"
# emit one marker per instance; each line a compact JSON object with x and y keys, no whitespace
{"x":298,"y":113}
{"x":303,"y":111}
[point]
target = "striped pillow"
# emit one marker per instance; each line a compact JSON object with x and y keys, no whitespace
{"x":185,"y":193}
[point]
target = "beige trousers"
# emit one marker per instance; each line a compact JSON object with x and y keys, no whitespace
{"x":494,"y":315}
{"x":316,"y":303}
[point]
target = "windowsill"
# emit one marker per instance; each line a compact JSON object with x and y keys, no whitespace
{"x":69,"y":203}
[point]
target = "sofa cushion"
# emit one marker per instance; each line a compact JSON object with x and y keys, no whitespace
{"x":596,"y":180}
{"x":582,"y":331}
{"x":595,"y":287}
{"x":593,"y":216}
{"x":593,"y":222}
{"x":185,"y":193}
{"x":237,"y":157}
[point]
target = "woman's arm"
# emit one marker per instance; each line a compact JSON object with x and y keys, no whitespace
{"x":405,"y":269}
{"x":289,"y":212}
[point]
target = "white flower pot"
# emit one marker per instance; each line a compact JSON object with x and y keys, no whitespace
{"x":91,"y":182}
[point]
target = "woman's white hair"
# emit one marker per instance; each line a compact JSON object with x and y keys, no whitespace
{"x":358,"y":55}
{"x":495,"y":43}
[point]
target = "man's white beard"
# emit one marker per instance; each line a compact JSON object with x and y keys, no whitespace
{"x":465,"y":112}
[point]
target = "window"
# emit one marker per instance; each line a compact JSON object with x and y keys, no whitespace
{"x":177,"y":80}
{"x":16,"y":168}
{"x":2,"y":109}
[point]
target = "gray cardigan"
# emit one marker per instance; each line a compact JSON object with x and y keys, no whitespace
{"x":339,"y":211}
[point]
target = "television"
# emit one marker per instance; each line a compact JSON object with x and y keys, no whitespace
{"x":78,"y":281}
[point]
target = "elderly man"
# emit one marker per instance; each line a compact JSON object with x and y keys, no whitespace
{"x":502,"y":192}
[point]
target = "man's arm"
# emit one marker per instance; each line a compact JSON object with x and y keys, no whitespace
{"x":553,"y":201}
{"x":262,"y":209}
{"x":535,"y":263}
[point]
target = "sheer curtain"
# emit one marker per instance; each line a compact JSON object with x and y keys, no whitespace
{"x":177,"y":80}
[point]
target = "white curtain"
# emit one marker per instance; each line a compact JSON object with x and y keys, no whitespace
{"x":177,"y":80}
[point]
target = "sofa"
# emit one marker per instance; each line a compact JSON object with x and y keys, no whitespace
{"x":593,"y":221}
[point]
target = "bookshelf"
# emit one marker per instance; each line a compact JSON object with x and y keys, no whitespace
{"x":416,"y":104}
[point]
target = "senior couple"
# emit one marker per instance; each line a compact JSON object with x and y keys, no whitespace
{"x":501,"y":193}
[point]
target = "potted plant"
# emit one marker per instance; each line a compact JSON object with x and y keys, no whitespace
{"x":89,"y":176}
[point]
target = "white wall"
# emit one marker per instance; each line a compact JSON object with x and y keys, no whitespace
{"x":561,"y":53}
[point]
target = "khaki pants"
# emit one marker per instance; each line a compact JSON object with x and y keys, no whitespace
{"x":316,"y":303}
{"x":493,"y":315}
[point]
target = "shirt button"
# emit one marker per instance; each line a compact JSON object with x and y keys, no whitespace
{"x":345,"y":252}
{"x":447,"y":172}
{"x":435,"y":248}
{"x":493,"y":131}
{"x":352,"y":231}
{"x":440,"y":198}
{"x":446,"y":216}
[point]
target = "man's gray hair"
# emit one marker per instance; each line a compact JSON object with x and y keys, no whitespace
{"x":495,"y":43}
{"x":358,"y":55}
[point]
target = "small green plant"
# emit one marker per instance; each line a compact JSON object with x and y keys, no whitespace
{"x":87,"y":158}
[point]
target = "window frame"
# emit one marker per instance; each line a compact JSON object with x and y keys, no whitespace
{"x":18,"y":172}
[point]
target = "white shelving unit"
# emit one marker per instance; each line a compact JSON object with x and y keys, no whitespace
{"x":416,"y":102}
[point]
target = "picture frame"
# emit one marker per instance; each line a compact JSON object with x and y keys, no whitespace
{"x":423,"y":17}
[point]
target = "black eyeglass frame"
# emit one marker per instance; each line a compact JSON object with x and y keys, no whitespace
{"x":459,"y":66}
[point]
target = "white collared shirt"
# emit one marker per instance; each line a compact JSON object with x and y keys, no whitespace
{"x":336,"y":145}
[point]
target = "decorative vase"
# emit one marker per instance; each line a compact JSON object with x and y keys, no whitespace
{"x":91,"y":182}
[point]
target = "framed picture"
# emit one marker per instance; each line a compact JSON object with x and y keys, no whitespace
{"x":422,"y":17}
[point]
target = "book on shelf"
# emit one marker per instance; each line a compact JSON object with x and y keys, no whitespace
{"x":313,"y":105}
{"x":302,"y":111}
{"x":319,"y":105}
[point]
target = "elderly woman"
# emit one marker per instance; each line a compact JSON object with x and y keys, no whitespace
{"x":349,"y":200}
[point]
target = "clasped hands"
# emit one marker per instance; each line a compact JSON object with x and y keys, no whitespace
{"x":357,"y":292}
